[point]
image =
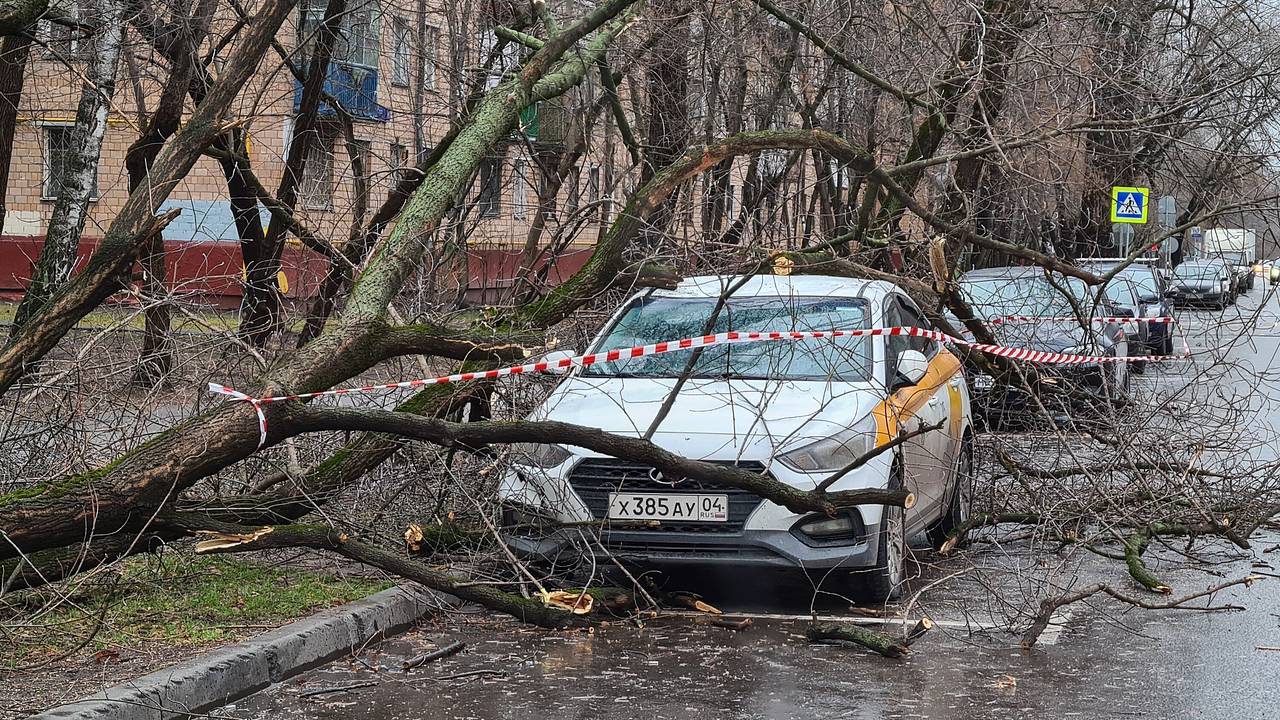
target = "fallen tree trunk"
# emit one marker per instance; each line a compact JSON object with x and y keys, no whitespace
{"x":230,"y":538}
{"x":874,"y":641}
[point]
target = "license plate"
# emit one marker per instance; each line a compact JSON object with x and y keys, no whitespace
{"x":983,"y":382}
{"x":668,"y":506}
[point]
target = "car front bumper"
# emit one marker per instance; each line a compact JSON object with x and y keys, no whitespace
{"x":774,"y":549}
{"x":1196,"y":296}
{"x":761,"y":534}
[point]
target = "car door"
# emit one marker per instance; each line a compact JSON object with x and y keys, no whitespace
{"x":929,"y":456}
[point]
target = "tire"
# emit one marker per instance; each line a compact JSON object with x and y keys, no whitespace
{"x":1166,"y":346}
{"x":961,"y":502}
{"x":883,"y":582}
{"x":1252,"y":279}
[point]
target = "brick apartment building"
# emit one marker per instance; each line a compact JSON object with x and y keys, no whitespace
{"x":398,"y":70}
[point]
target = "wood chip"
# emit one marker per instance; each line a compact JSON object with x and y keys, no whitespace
{"x":219,"y":540}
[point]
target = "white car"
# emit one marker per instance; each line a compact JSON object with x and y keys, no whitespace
{"x":799,"y":411}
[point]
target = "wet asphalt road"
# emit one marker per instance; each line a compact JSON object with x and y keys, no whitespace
{"x":1107,"y":661}
{"x":1112,"y":663}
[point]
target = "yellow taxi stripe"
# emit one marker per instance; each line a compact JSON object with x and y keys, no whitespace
{"x":900,"y":407}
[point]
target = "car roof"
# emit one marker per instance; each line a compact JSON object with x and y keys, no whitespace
{"x":1128,"y":269}
{"x":713,"y":286}
{"x":1010,"y":272}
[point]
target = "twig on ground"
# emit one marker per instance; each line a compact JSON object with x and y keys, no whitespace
{"x":337,"y":689}
{"x":469,"y":673}
{"x":444,"y":652}
{"x":1050,"y":605}
{"x":738,"y":625}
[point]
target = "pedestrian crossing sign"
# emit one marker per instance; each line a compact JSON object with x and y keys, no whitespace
{"x":1129,"y":205}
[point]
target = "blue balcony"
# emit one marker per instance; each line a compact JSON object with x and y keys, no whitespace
{"x":355,"y":87}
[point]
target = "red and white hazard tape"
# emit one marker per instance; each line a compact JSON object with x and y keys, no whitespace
{"x":1005,"y":319}
{"x":724,"y":338}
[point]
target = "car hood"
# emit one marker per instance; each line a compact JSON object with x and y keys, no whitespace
{"x":1196,"y":284}
{"x":714,"y":418}
{"x":1044,"y":335}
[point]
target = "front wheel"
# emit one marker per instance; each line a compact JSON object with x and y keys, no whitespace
{"x":883,"y":582}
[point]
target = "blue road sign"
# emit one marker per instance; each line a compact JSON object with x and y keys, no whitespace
{"x":1129,"y":205}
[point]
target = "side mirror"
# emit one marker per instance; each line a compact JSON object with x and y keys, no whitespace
{"x":554,"y":358}
{"x":1151,"y":299}
{"x":912,"y":365}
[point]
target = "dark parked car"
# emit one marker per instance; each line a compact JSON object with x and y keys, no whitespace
{"x":1149,"y":285}
{"x":1241,"y":270}
{"x":1206,"y":281}
{"x":997,"y":294}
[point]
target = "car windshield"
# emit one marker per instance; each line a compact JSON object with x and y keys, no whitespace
{"x":1141,"y":277}
{"x":1120,"y":291}
{"x":655,"y":319}
{"x":1144,"y":281}
{"x":1033,"y":296}
{"x":1197,"y":271}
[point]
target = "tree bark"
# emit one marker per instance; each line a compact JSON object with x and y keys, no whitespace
{"x":18,"y":16}
{"x":80,"y":177}
{"x":874,"y":641}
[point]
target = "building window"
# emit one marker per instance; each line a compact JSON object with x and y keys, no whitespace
{"x":489,"y":198}
{"x":547,"y":200}
{"x":399,"y":153}
{"x":400,"y":52}
{"x":58,"y":148}
{"x":62,"y":41}
{"x":357,"y":41}
{"x":364,"y":150}
{"x":430,"y":55}
{"x":520,"y":189}
{"x":316,"y":185}
{"x":593,"y":185}
{"x":507,"y":61}
{"x":571,"y":194}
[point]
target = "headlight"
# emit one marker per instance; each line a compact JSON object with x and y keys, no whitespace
{"x":825,"y":527}
{"x":538,"y":455}
{"x":835,"y":452}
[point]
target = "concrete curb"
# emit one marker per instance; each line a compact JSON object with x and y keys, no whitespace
{"x":223,"y":676}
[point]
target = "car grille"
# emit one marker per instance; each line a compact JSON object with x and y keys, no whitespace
{"x":593,"y":480}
